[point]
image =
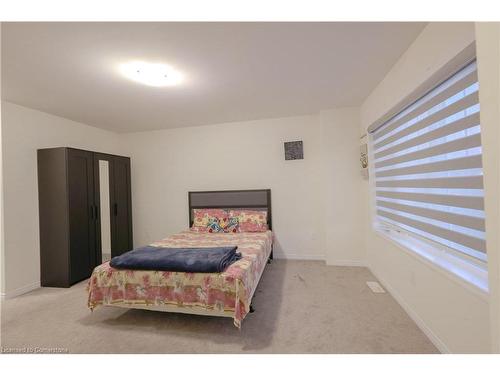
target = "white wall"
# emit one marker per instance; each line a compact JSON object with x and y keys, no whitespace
{"x":488,"y":54}
{"x":455,"y":317}
{"x":342,"y":187}
{"x":167,"y":164}
{"x":24,"y":131}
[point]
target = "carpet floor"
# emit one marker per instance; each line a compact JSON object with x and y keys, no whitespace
{"x":301,"y":307}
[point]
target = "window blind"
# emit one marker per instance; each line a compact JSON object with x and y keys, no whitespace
{"x":428,"y":168}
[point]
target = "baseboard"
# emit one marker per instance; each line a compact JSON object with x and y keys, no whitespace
{"x":346,"y":263}
{"x":440,"y":345}
{"x":349,"y":263}
{"x":299,"y":256}
{"x":21,"y":290}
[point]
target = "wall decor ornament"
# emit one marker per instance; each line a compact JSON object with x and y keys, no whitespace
{"x":294,"y":150}
{"x":363,"y":156}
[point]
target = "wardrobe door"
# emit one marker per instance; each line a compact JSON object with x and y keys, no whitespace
{"x":121,"y":238}
{"x":53,"y":217}
{"x":82,"y":213}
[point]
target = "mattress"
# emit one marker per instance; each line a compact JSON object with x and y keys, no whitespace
{"x":222,"y":294}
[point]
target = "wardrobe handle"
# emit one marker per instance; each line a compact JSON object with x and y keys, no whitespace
{"x":96,"y":216}
{"x":115,"y":208}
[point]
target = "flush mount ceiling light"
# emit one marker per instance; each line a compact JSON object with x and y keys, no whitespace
{"x":151,"y":74}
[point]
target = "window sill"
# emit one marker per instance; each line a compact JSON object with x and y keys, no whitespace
{"x":473,"y":277}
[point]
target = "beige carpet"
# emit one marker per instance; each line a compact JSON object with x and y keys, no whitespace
{"x":301,"y":307}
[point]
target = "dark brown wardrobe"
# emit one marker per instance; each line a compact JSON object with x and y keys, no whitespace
{"x":72,"y":219}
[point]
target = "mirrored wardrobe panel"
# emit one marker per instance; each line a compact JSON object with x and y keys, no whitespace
{"x":105,"y":215}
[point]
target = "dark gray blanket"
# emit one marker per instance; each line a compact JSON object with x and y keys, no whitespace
{"x":206,"y":259}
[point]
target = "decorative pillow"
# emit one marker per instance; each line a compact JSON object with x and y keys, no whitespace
{"x":202,"y":218}
{"x":250,"y":221}
{"x":223,"y":225}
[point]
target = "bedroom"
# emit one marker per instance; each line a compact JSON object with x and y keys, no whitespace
{"x":245,"y":138}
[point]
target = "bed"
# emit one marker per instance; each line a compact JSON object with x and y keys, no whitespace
{"x":226,"y":294}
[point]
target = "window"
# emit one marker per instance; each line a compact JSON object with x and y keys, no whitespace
{"x":428,"y":169}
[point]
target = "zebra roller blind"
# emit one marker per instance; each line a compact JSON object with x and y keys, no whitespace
{"x":428,"y":168}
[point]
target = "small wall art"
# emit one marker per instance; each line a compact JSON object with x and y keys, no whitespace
{"x":294,"y":150}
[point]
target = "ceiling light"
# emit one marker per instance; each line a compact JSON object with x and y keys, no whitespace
{"x":150,"y":74}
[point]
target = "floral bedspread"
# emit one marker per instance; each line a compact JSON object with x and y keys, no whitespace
{"x":229,"y":291}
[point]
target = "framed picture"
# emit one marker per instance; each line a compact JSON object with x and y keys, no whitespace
{"x":294,"y":150}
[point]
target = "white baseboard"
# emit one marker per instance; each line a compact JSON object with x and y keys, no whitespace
{"x":298,"y":256}
{"x":349,"y":263}
{"x":346,"y":263}
{"x":438,"y":343}
{"x":21,"y":290}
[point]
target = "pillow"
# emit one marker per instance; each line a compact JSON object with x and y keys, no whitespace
{"x":223,"y":225}
{"x":202,"y":217}
{"x":250,"y":221}
{"x":214,"y":221}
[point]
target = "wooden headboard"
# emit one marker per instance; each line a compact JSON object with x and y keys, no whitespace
{"x":259,"y":200}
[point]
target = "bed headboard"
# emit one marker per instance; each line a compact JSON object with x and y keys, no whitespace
{"x":259,"y":200}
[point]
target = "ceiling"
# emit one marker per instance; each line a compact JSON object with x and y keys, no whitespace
{"x":234,"y":71}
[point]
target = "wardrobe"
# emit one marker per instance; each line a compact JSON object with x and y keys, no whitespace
{"x":85,"y":207}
